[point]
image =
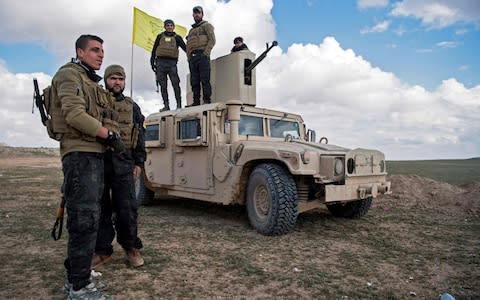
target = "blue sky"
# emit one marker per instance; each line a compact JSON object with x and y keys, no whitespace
{"x":399,"y":76}
{"x":414,"y":56}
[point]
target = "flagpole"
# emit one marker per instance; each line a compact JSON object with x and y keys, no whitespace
{"x":131,"y":74}
{"x":131,"y":59}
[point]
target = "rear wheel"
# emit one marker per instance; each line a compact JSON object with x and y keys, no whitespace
{"x":271,"y":200}
{"x":351,"y":210}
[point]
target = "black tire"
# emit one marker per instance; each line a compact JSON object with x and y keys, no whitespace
{"x":143,"y":195}
{"x":271,"y":200}
{"x":351,"y":210}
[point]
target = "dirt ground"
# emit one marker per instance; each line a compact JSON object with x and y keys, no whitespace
{"x":418,"y":243}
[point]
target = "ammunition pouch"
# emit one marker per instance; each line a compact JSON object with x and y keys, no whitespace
{"x":135,"y":133}
{"x":125,"y":120}
{"x":110,"y":120}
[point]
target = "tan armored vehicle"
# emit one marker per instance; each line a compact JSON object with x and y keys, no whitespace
{"x":232,"y":152}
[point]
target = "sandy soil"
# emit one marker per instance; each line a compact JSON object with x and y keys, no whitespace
{"x":416,"y":243}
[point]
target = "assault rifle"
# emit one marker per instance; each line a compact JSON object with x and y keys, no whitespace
{"x":39,"y":102}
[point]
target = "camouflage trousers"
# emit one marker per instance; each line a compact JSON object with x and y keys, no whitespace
{"x":118,"y":199}
{"x":83,"y":189}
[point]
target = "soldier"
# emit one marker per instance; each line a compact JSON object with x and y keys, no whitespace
{"x":164,"y":60}
{"x":82,"y":147}
{"x":200,"y":42}
{"x":239,"y":45}
{"x":120,"y":171}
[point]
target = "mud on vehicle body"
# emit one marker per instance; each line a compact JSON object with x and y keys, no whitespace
{"x":232,"y":152}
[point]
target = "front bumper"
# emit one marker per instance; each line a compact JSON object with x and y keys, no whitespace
{"x":356,"y":190}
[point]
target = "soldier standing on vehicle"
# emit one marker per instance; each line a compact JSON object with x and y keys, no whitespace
{"x":239,"y":45}
{"x":164,"y":60}
{"x":200,"y":42}
{"x":121,"y":169}
{"x":82,"y":145}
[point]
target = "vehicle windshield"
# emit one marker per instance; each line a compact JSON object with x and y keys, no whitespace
{"x":280,"y":128}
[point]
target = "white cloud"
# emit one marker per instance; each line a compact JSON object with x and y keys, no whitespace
{"x":363,"y":4}
{"x":424,"y":50}
{"x":345,"y":98}
{"x":439,"y":13}
{"x":17,"y":123}
{"x":379,"y":27}
{"x":463,"y":68}
{"x":447,"y":44}
{"x":461,"y":31}
{"x":338,"y":93}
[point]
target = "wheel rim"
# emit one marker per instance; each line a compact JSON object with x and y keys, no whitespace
{"x":261,"y":201}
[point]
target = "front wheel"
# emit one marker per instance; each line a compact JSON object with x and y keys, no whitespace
{"x":271,"y":200}
{"x":351,"y":210}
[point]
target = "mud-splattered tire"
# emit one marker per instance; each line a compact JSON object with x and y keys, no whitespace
{"x":271,"y":200}
{"x":143,"y":195}
{"x":351,"y":210}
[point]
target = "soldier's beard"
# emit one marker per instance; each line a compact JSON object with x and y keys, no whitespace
{"x":116,"y":91}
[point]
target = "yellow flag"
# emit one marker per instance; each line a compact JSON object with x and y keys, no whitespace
{"x":146,"y":28}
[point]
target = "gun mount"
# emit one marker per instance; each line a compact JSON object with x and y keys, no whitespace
{"x":232,"y":77}
{"x":249,"y":66}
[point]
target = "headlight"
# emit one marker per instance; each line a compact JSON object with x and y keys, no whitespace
{"x":339,"y":167}
{"x":305,"y":157}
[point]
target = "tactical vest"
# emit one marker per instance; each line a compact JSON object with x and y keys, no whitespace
{"x":96,"y":100}
{"x":197,"y":38}
{"x":125,"y":122}
{"x":167,"y":46}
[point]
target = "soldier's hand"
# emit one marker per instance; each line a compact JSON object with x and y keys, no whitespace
{"x":115,"y":141}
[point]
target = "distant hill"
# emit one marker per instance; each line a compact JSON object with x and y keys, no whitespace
{"x":453,"y":171}
{"x":7,"y":151}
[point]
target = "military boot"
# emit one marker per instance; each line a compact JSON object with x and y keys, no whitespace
{"x":134,"y":258}
{"x":166,"y":106}
{"x":100,"y":259}
{"x":179,"y":103}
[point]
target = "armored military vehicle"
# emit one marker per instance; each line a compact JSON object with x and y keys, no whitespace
{"x":232,"y":152}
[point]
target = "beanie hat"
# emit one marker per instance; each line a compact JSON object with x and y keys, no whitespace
{"x":198,"y":9}
{"x":168,"y":21}
{"x":114,"y":69}
{"x":238,"y":38}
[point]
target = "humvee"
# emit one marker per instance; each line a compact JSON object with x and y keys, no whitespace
{"x":232,"y":152}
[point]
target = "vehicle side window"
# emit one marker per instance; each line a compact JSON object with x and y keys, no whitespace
{"x":280,"y":128}
{"x":250,"y":125}
{"x":189,"y":129}
{"x":152,"y":132}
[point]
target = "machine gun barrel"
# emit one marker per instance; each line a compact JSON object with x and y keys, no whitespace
{"x":250,"y":67}
{"x":39,"y":102}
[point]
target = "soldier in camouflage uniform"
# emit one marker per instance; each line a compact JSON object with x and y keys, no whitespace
{"x":82,"y":145}
{"x":121,"y":169}
{"x":200,"y":42}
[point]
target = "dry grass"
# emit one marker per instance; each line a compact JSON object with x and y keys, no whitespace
{"x":196,"y":250}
